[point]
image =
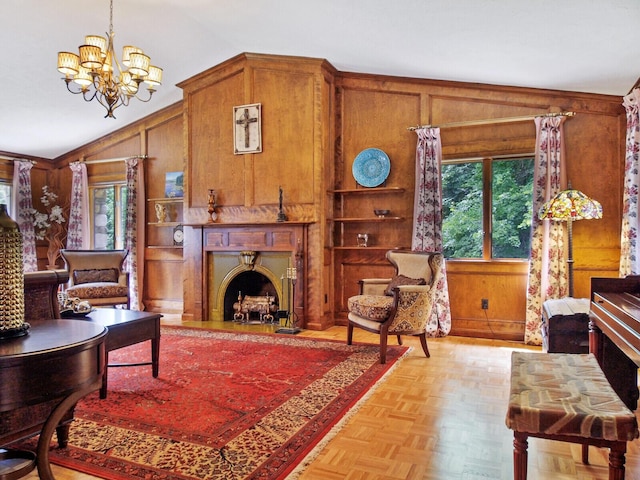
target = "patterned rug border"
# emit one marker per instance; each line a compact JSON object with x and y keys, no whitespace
{"x":323,"y":436}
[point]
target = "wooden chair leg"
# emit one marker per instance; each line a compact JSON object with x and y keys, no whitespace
{"x":399,"y":339}
{"x":349,"y":333}
{"x":383,"y":348}
{"x":423,"y":342}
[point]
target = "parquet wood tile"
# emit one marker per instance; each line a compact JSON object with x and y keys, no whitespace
{"x":438,"y":418}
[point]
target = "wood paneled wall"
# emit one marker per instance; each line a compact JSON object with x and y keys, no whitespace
{"x":315,"y":121}
{"x":296,"y":97}
{"x":158,"y":136}
{"x":376,"y":111}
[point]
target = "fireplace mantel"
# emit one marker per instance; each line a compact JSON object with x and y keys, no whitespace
{"x":204,"y":240}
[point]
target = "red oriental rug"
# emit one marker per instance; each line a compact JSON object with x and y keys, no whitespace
{"x":225,"y":406}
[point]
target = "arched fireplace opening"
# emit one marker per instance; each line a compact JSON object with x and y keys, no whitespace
{"x":248,"y":283}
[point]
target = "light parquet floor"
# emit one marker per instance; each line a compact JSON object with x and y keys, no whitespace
{"x":440,"y":418}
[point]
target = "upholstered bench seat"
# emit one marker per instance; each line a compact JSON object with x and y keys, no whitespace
{"x":566,"y":397}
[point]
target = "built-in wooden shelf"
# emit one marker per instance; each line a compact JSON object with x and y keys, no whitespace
{"x":164,"y":224}
{"x":166,"y":200}
{"x":372,"y":190}
{"x":367,"y":219}
{"x":370,"y":247}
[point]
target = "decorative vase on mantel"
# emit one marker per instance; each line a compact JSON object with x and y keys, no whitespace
{"x":12,"y":322}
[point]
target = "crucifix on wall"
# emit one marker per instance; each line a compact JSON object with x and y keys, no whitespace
{"x":247,"y":129}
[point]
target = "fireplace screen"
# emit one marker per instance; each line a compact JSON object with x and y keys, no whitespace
{"x":234,"y":275}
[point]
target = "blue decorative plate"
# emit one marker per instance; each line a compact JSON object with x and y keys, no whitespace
{"x":371,"y":167}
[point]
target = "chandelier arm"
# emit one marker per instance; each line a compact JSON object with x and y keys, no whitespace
{"x":87,"y":93}
{"x":68,"y":83}
{"x":142,"y":99}
{"x":91,"y":95}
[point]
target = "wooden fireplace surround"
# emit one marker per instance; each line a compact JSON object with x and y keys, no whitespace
{"x":203,"y":239}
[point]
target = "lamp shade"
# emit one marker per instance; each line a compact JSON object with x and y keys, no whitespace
{"x":570,"y":205}
{"x":68,"y":63}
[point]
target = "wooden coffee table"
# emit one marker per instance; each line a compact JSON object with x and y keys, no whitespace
{"x":124,"y":328}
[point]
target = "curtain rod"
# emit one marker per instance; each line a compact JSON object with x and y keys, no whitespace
{"x":110,"y":160}
{"x":15,"y":159}
{"x":493,"y":121}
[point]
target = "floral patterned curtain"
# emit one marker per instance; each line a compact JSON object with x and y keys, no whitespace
{"x":629,"y":245}
{"x":23,"y":206}
{"x":427,"y":221}
{"x":78,"y":233}
{"x":134,"y":231}
{"x":548,"y":277}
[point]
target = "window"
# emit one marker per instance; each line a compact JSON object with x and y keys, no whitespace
{"x":5,"y":195}
{"x":108,"y":204}
{"x":488,"y":195}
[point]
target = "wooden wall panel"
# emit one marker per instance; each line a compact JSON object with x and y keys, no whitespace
{"x":211,"y":161}
{"x":378,"y":119}
{"x":482,"y":140}
{"x":163,"y":281}
{"x":502,"y":283}
{"x":164,"y":148}
{"x":287,"y":157}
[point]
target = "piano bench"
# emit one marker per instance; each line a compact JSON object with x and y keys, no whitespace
{"x":566,"y":397}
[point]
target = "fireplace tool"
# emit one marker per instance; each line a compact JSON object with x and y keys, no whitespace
{"x":290,"y":322}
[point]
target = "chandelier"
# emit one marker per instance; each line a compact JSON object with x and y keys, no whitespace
{"x":99,"y":75}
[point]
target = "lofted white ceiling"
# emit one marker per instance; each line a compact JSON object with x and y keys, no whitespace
{"x":576,"y":45}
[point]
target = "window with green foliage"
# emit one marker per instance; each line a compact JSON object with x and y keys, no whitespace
{"x":108,"y":204}
{"x":486,"y":207}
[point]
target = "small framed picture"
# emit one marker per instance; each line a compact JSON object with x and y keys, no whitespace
{"x":247,"y":129}
{"x":174,"y":184}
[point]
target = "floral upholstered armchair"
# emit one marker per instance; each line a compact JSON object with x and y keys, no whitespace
{"x":97,"y":276}
{"x":400,"y":305}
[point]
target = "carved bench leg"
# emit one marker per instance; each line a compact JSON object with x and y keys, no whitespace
{"x":585,"y":453}
{"x":617,"y":452}
{"x":520,"y":455}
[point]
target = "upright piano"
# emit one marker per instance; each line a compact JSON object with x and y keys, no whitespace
{"x":614,"y":333}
